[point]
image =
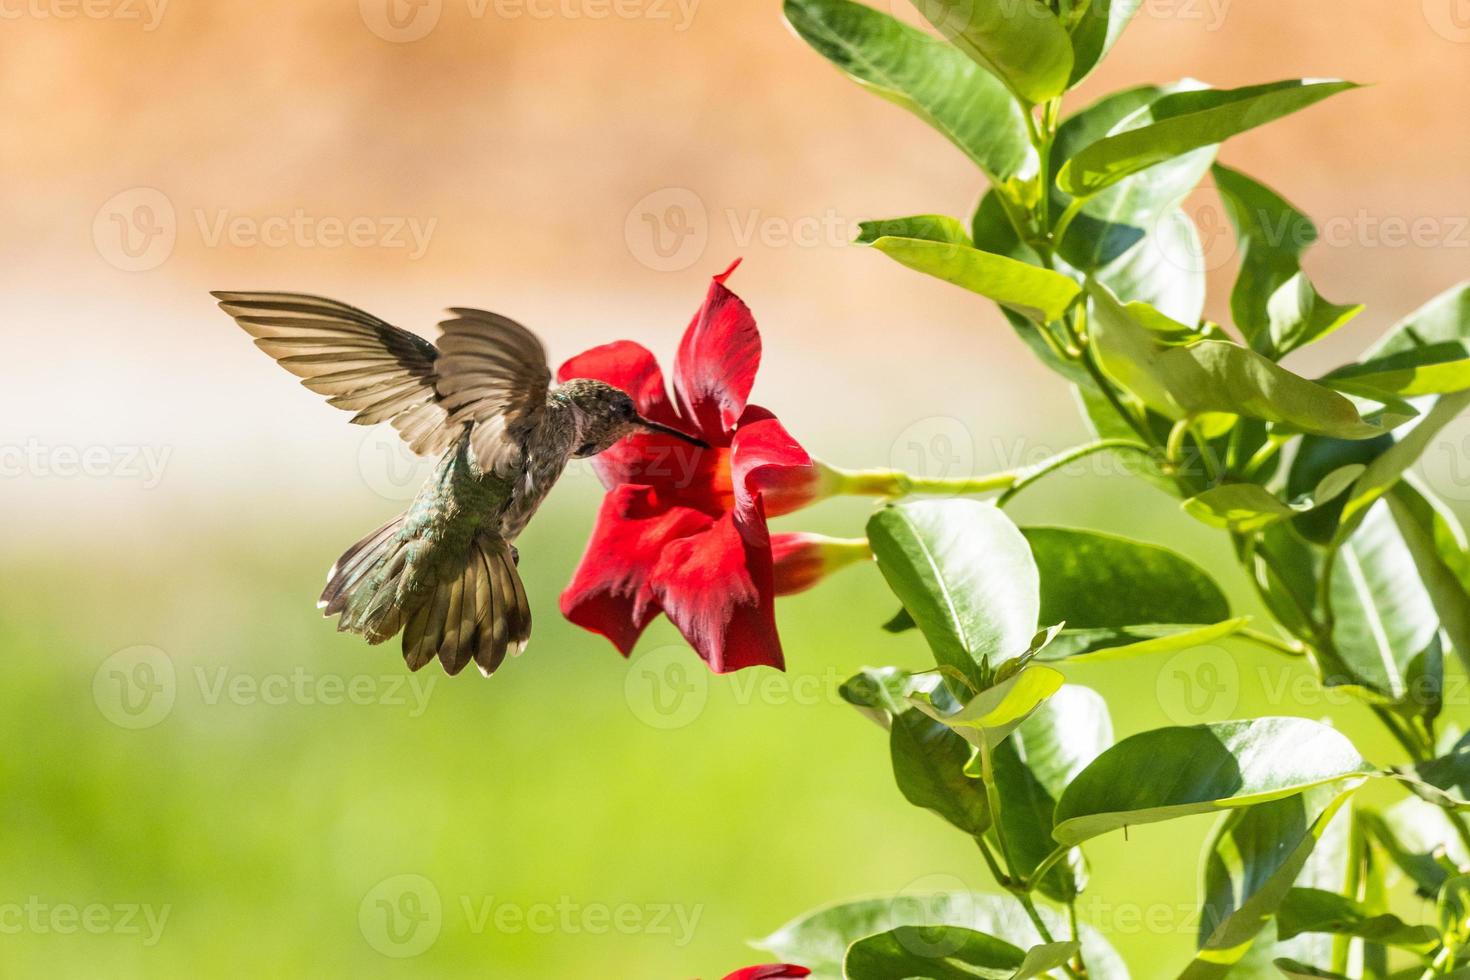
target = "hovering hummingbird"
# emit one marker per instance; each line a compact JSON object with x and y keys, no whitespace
{"x":444,"y":572}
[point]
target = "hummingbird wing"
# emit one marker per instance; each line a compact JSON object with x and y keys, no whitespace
{"x":364,"y":365}
{"x":492,"y":373}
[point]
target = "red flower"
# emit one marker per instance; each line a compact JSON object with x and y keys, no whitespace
{"x":801,"y":560}
{"x":773,"y":971}
{"x":683,"y":530}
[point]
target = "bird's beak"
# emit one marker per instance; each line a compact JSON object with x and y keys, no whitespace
{"x":669,"y":430}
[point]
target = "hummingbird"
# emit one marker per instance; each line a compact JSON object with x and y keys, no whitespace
{"x":445,"y":571}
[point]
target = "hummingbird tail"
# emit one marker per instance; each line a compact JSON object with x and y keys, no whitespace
{"x":363,"y":586}
{"x":478,"y":614}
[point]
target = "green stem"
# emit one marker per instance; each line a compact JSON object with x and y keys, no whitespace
{"x":1069,"y":213}
{"x":896,"y":483}
{"x":1030,"y":475}
{"x":1044,"y":868}
{"x":1441,"y":960}
{"x":1292,"y":648}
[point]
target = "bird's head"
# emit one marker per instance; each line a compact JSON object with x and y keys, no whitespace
{"x":604,"y":414}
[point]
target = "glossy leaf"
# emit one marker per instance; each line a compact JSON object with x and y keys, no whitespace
{"x":1033,"y":292}
{"x":1213,"y":376}
{"x":1437,"y":544}
{"x":924,"y":75}
{"x":1443,"y":781}
{"x":1383,"y":619}
{"x":1175,"y":772}
{"x":819,"y":939}
{"x":1315,"y":460}
{"x":1246,"y":507}
{"x":964,"y":573}
{"x":1452,"y":911}
{"x":1186,"y":121}
{"x":928,"y":227}
{"x":948,"y":953}
{"x":1433,"y":370}
{"x":1275,"y":306}
{"x":996,"y":711}
{"x":1251,"y":860}
{"x":1094,"y":580}
{"x":1384,"y":471}
{"x":1444,"y":319}
{"x":1297,"y":970}
{"x":1093,"y":645}
{"x":1319,"y":910}
{"x":1019,"y":41}
{"x":929,"y":766}
{"x":1032,"y":769}
{"x":1093,"y":36}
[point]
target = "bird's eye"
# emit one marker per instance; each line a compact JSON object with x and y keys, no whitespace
{"x":627,"y":410}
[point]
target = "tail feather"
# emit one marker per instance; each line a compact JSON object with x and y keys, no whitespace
{"x":477,"y":612}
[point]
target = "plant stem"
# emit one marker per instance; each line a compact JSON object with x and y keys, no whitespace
{"x":1292,"y":648}
{"x":896,"y":483}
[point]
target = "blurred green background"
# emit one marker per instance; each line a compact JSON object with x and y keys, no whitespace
{"x":177,"y":729}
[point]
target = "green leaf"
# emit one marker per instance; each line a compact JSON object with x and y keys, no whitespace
{"x":1186,"y":121}
{"x":1036,"y":293}
{"x":996,"y":711}
{"x":1094,"y":580}
{"x":1033,"y":767}
{"x":1213,"y":376}
{"x":1094,"y":35}
{"x":1274,"y":304}
{"x":1433,"y":370}
{"x":929,"y":766}
{"x":1418,"y":837}
{"x":1240,"y":507}
{"x":819,"y":939}
{"x":1133,"y":237}
{"x":1319,"y":910}
{"x":1251,"y":860}
{"x":1316,"y":459}
{"x":928,"y":227}
{"x":1452,"y":910}
{"x":1438,"y":546}
{"x":1116,"y":643}
{"x":1297,"y":970}
{"x":1175,"y":772}
{"x":1019,"y":41}
{"x":1247,"y":507}
{"x":1382,"y":617}
{"x":882,"y":692}
{"x":966,"y":576}
{"x":924,"y":75}
{"x":1383,"y":472}
{"x":1444,"y":781}
{"x":1446,"y":318}
{"x":948,"y":953}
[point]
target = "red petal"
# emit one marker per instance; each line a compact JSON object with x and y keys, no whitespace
{"x":717,"y":360}
{"x":766,"y":460}
{"x":772,"y":971}
{"x":717,"y":588}
{"x":628,"y":366}
{"x":611,"y":592}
